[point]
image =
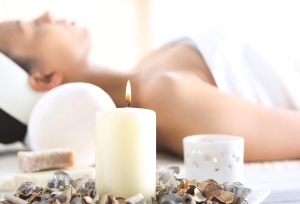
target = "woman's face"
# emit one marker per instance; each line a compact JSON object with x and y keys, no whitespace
{"x":53,"y":44}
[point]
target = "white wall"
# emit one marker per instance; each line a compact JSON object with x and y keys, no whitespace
{"x":179,"y":17}
{"x":124,"y":30}
{"x":113,"y":24}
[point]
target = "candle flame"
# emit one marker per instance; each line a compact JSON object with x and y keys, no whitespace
{"x":128,"y":93}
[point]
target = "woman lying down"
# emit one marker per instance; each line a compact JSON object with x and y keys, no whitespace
{"x":212,"y":82}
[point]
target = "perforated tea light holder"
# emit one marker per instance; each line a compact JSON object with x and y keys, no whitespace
{"x":218,"y":157}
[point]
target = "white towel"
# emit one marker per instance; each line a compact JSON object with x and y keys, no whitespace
{"x":251,"y":48}
{"x":17,"y":98}
{"x":262,"y":66}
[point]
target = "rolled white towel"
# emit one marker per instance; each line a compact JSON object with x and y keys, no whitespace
{"x":17,"y":98}
{"x":65,"y":117}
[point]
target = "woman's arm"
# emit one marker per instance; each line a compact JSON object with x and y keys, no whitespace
{"x":186,"y":105}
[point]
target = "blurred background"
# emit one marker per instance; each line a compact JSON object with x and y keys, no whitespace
{"x":124,"y":30}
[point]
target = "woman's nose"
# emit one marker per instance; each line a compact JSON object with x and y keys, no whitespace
{"x":45,"y":18}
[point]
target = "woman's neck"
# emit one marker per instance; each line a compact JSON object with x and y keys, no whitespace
{"x":112,"y":82}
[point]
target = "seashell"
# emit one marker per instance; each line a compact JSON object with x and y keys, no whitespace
{"x":76,"y":195}
{"x":104,"y":199}
{"x":182,"y":192}
{"x":88,"y":200}
{"x":121,"y":200}
{"x":56,"y":192}
{"x":63,"y":189}
{"x":212,"y":190}
{"x":83,"y":191}
{"x":50,"y":183}
{"x":92,"y":183}
{"x":47,"y":190}
{"x":170,"y":189}
{"x":11,"y":199}
{"x":184,"y":184}
{"x":60,"y":197}
{"x":27,"y":188}
{"x":159,"y":194}
{"x":167,"y":190}
{"x":170,"y":198}
{"x":92,"y":193}
{"x":191,"y":190}
{"x":239,"y":190}
{"x":135,"y":199}
{"x":112,"y":199}
{"x":38,"y":189}
{"x":40,"y":202}
{"x":76,"y":200}
{"x":45,"y":197}
{"x":174,"y":170}
{"x":193,"y":182}
{"x":153,"y":200}
{"x":158,"y":188}
{"x":23,"y":196}
{"x":202,"y":184}
{"x":211,"y":181}
{"x":188,"y":199}
{"x":226,"y":197}
{"x":164,"y":177}
{"x":61,"y":180}
{"x":198,"y":195}
{"x":33,"y":196}
{"x":69,"y":192}
{"x":81,"y":183}
{"x":56,"y":202}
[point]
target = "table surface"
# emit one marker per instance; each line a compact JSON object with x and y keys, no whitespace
{"x":282,"y":178}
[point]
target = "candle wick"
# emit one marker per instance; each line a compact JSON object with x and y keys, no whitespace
{"x":128,"y":103}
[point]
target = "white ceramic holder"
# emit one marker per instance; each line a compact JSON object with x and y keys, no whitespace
{"x":218,"y":157}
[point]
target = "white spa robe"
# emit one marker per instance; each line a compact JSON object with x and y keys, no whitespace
{"x":261,"y":67}
{"x":251,"y":48}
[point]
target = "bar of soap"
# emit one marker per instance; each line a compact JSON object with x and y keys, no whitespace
{"x":31,"y":161}
{"x":41,"y":179}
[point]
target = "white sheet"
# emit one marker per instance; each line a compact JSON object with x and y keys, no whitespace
{"x":262,"y":66}
{"x":281,"y":177}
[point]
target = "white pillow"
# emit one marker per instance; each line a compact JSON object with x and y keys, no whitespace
{"x":65,"y":117}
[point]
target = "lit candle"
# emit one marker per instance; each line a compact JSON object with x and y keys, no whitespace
{"x":126,"y":151}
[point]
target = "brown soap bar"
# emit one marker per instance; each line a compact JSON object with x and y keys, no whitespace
{"x":30,"y":161}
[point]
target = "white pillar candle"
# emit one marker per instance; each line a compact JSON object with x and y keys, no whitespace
{"x":126,"y":152}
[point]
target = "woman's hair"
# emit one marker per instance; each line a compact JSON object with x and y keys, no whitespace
{"x":11,"y":130}
{"x":25,"y":63}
